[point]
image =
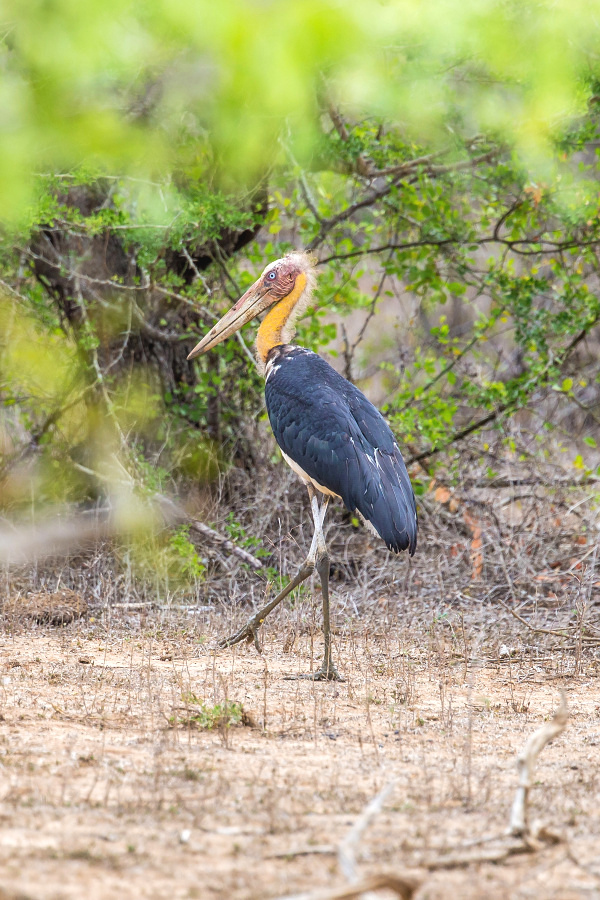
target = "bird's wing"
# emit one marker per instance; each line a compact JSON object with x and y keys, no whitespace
{"x":329,"y":429}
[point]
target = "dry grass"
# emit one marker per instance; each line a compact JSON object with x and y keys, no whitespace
{"x":136,"y":761}
{"x":109,"y":789}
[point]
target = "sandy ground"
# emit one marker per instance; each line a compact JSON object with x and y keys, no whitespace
{"x":109,"y":788}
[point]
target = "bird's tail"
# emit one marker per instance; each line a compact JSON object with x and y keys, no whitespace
{"x":388,"y":502}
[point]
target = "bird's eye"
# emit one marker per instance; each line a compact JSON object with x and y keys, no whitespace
{"x":272,"y":276}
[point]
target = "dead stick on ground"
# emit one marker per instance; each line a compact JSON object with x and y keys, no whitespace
{"x":518,"y":839}
{"x":561,"y":634}
{"x":526,"y":764}
{"x":348,"y":847}
{"x":403,"y":886}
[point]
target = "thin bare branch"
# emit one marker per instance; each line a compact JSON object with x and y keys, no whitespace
{"x":565,"y":633}
{"x":378,"y":193}
{"x":348,"y":847}
{"x":519,"y":824}
{"x":538,"y":247}
{"x":175,"y":513}
{"x":478,"y":424}
{"x":404,"y":886}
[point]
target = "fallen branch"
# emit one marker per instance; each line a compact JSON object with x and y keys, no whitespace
{"x":348,"y":847}
{"x":496,"y":854}
{"x":526,"y":761}
{"x":590,"y":640}
{"x":403,"y":886}
{"x":312,"y":850}
{"x":520,"y":837}
{"x":225,"y":544}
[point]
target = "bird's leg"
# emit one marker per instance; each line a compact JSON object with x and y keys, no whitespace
{"x":249,"y":631}
{"x":327,"y":670}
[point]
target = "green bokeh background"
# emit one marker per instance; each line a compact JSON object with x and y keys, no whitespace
{"x":148,"y":88}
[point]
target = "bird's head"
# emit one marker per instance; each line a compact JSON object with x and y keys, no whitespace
{"x":292,"y":274}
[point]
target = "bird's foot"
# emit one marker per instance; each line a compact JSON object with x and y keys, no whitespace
{"x":248,"y":632}
{"x":323,"y":673}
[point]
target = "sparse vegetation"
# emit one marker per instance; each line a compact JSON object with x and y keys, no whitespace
{"x":94,"y":746}
{"x":198,"y":713}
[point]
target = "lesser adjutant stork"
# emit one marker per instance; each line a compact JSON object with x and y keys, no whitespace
{"x":329,"y":433}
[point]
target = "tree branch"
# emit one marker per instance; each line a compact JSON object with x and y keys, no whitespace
{"x":505,"y":407}
{"x":378,"y":194}
{"x":544,"y":246}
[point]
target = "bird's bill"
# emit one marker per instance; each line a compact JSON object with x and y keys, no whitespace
{"x":250,"y":305}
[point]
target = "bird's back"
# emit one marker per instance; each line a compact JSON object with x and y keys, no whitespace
{"x":341,"y":441}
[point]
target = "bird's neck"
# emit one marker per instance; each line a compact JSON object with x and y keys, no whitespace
{"x":278,"y":325}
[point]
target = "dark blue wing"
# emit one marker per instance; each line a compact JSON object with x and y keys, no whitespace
{"x":342,"y":441}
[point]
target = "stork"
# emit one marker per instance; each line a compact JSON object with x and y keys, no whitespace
{"x":328,"y":432}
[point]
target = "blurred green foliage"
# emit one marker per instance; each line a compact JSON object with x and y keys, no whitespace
{"x":159,"y":87}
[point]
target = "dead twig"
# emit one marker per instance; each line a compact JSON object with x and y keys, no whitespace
{"x":519,"y":837}
{"x":173,"y":512}
{"x":313,"y":850}
{"x":566,"y":633}
{"x":348,"y":847}
{"x":403,"y":886}
{"x":225,"y":544}
{"x":526,"y":761}
{"x":462,"y":860}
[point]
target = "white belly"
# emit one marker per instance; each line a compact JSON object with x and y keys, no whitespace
{"x":306,"y":478}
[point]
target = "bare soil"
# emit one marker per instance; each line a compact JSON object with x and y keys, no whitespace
{"x":111,"y":788}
